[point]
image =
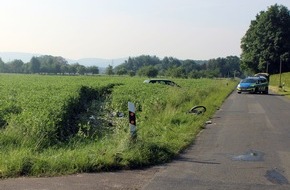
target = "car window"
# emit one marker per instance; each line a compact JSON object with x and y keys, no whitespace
{"x":264,"y":80}
{"x":160,"y":81}
{"x":248,"y":81}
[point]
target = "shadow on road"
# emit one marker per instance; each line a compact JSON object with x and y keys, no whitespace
{"x":184,"y":159}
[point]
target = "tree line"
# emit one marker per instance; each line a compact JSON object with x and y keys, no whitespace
{"x":46,"y":64}
{"x":144,"y":65}
{"x":152,"y":66}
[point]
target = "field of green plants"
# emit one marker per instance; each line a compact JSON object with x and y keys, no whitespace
{"x":55,"y":125}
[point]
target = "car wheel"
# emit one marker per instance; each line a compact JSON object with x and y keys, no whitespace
{"x":266,"y":91}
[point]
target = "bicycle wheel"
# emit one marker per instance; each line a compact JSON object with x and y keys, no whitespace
{"x":198,"y":110}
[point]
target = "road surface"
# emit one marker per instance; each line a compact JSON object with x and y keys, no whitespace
{"x":247,"y":146}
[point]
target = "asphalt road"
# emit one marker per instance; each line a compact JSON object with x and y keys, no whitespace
{"x":247,"y":146}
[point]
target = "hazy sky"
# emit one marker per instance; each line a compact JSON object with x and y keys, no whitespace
{"x":185,"y":29}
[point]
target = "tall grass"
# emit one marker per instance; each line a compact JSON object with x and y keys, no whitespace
{"x":164,"y":126}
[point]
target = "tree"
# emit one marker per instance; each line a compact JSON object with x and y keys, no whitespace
{"x":50,"y":64}
{"x":169,"y":62}
{"x":176,"y":72}
{"x":190,"y":65}
{"x":225,"y":67}
{"x":233,"y":63}
{"x":15,"y":66}
{"x":149,"y":71}
{"x":109,"y":70}
{"x":266,"y":40}
{"x":196,"y":74}
{"x":34,"y":65}
{"x":73,"y":68}
{"x":81,"y":70}
{"x":93,"y":70}
{"x":2,"y":66}
{"x":131,"y":73}
{"x":135,"y":63}
{"x":65,"y":69}
{"x":121,"y":71}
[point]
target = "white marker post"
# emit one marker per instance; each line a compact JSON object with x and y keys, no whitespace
{"x":132,"y":120}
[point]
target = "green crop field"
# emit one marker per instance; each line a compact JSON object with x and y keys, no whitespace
{"x":55,"y":125}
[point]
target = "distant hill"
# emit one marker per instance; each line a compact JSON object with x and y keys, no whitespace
{"x":10,"y":56}
{"x":26,"y":57}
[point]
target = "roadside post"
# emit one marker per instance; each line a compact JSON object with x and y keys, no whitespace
{"x":132,"y":120}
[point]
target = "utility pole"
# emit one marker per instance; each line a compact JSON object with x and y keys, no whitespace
{"x":280,"y":83}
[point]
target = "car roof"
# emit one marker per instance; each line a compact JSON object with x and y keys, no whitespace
{"x":166,"y":81}
{"x":256,"y":77}
{"x":262,"y":74}
{"x":158,"y":80}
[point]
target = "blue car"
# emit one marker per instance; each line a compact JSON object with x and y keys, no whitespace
{"x":253,"y":85}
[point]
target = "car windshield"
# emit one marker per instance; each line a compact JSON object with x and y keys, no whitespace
{"x":248,"y":81}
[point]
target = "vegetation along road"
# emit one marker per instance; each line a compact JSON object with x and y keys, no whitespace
{"x":245,"y":147}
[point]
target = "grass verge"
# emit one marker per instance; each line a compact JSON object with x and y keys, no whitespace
{"x":285,"y":82}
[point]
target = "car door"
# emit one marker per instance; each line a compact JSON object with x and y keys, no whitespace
{"x":264,"y":84}
{"x":260,"y":85}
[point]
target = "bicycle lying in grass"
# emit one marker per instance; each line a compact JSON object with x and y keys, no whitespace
{"x":197,"y":110}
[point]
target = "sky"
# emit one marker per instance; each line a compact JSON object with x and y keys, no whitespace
{"x":111,"y":29}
